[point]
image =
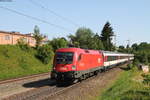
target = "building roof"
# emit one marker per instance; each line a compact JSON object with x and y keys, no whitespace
{"x":16,"y":33}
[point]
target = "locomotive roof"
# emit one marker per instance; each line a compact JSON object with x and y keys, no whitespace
{"x":70,"y":49}
{"x":106,"y":53}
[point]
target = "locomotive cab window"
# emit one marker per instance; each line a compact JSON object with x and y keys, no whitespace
{"x":64,"y":57}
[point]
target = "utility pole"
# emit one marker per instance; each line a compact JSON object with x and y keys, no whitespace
{"x":115,"y":41}
{"x":128,"y":45}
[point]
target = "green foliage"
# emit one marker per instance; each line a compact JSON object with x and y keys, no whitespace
{"x":142,"y":52}
{"x":136,"y":61}
{"x":121,"y":49}
{"x":45,"y":53}
{"x":106,"y":36}
{"x":125,"y":50}
{"x":15,"y":62}
{"x":146,"y":79}
{"x":82,"y":37}
{"x":128,"y":87}
{"x":85,"y":38}
{"x":135,"y":46}
{"x":57,"y":43}
{"x":23,"y":45}
{"x":38,"y":37}
{"x":96,"y":43}
{"x":5,"y":52}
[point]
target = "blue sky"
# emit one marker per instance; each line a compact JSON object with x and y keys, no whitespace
{"x":130,"y":19}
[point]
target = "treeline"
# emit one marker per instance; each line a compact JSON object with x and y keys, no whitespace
{"x":85,"y":38}
{"x":141,"y":52}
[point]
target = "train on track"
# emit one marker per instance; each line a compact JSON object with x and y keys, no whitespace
{"x":72,"y":64}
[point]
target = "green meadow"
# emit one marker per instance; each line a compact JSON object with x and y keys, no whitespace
{"x":15,"y":62}
{"x":131,"y":85}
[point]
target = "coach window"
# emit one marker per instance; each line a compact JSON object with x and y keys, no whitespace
{"x":109,"y":58}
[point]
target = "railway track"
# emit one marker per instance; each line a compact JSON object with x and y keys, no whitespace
{"x":51,"y":91}
{"x":22,"y":78}
{"x":43,"y":93}
{"x":62,"y":90}
{"x":48,"y":92}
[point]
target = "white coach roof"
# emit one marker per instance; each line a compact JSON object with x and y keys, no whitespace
{"x":109,"y":53}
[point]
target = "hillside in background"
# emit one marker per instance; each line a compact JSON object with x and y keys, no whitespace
{"x":15,"y":62}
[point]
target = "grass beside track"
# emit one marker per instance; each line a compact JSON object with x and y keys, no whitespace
{"x":15,"y":62}
{"x":129,"y":86}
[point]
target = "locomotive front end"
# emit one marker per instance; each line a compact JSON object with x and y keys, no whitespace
{"x":63,"y":66}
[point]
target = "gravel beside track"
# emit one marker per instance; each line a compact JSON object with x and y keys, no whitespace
{"x":15,"y":86}
{"x":88,"y":89}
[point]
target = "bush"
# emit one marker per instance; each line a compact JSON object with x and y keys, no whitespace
{"x":23,"y":45}
{"x":5,"y":52}
{"x":45,"y":53}
{"x":146,"y":79}
{"x":57,"y":43}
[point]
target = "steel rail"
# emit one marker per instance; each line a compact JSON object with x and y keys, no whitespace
{"x":22,"y":78}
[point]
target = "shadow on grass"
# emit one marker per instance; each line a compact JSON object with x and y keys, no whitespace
{"x":125,"y":68}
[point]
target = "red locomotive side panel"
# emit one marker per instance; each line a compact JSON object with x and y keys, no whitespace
{"x":90,"y":61}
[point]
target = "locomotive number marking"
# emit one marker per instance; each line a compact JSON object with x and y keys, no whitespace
{"x":81,"y":64}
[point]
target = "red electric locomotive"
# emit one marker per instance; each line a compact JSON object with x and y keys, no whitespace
{"x":75,"y":63}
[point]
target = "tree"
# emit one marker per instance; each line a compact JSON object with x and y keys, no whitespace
{"x":96,"y":43}
{"x":86,"y":39}
{"x":121,"y":49}
{"x":134,"y":47}
{"x":45,"y":53}
{"x":144,"y":46}
{"x":106,"y":36}
{"x":144,"y":58}
{"x":82,"y":38}
{"x":141,"y":52}
{"x":57,"y":43}
{"x":37,"y":36}
{"x":128,"y":48}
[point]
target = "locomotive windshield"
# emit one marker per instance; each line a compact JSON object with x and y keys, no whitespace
{"x":64,"y":57}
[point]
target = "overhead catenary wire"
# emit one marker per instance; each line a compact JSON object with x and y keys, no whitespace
{"x":54,"y":13}
{"x":35,"y":18}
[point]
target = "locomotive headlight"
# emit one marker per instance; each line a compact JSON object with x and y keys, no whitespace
{"x":73,"y":67}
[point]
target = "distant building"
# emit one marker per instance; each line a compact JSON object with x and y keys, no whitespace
{"x":45,"y":40}
{"x":13,"y":37}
